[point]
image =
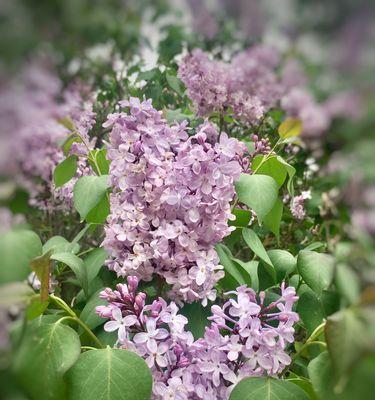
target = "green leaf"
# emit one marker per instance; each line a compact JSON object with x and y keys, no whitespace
{"x":316,"y":269}
{"x":176,"y":115}
{"x":174,"y":83}
{"x":253,"y":241}
{"x":45,"y":354}
{"x":305,"y":385}
{"x":266,"y":276}
{"x":266,"y":270}
{"x":347,"y":283}
{"x":113,"y":374}
{"x":320,"y":373}
{"x":233,"y":277}
{"x":258,"y":192}
{"x":15,"y":293}
{"x":36,"y":307}
{"x":66,"y":146}
{"x":17,"y":249}
{"x":315,"y":245}
{"x":291,"y":172}
{"x":284,"y":263}
{"x":273,"y":219}
{"x":310,"y":309}
{"x":350,"y":334}
{"x":94,"y":262}
{"x":101,"y":163}
{"x":148,"y":75}
{"x":358,"y":386}
{"x":75,"y":264}
{"x":267,"y":389}
{"x":271,"y":167}
{"x":291,"y":127}
{"x":197,"y":318}
{"x":88,"y":192}
{"x":246,"y":269}
{"x":88,"y":314}
{"x":100,"y":212}
{"x":65,"y":171}
{"x":243,"y":218}
{"x":57,"y":244}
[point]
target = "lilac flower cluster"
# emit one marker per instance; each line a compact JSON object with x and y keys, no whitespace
{"x":261,"y":146}
{"x":299,"y":103}
{"x":216,"y":86}
{"x":250,"y":85}
{"x":297,"y":205}
{"x":8,"y":220}
{"x":246,"y":338}
{"x":30,"y":110}
{"x":171,"y":199}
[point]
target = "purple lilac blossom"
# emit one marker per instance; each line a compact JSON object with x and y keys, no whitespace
{"x":246,"y":337}
{"x":299,"y":103}
{"x":297,"y":205}
{"x":247,"y":85}
{"x":8,"y":220}
{"x":35,"y":117}
{"x":171,"y":199}
{"x":250,"y":85}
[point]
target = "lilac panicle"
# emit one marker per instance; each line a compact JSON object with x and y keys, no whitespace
{"x":171,"y":199}
{"x":246,"y":337}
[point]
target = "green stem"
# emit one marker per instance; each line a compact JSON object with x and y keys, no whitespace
{"x":310,"y":341}
{"x":268,"y":155}
{"x":88,"y":348}
{"x":73,"y":316}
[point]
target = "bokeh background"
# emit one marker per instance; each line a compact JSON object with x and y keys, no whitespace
{"x":333,"y":40}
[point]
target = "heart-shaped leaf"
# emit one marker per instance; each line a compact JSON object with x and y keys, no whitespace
{"x":113,"y":374}
{"x":258,"y":192}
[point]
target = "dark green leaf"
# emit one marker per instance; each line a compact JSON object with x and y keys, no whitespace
{"x":253,"y":241}
{"x":75,"y":264}
{"x":100,"y":212}
{"x":88,"y":314}
{"x":93,"y":263}
{"x":273,"y":219}
{"x":310,"y":310}
{"x":174,"y":83}
{"x":36,"y":308}
{"x":113,"y":374}
{"x":65,"y":171}
{"x":46,"y":353}
{"x":350,"y":334}
{"x":284,"y":263}
{"x":233,"y":276}
{"x":316,"y":269}
{"x":197,"y":316}
{"x":347,"y":283}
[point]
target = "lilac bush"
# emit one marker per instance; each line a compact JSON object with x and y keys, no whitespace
{"x":186,"y":202}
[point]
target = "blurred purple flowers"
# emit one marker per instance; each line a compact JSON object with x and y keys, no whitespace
{"x":33,"y":110}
